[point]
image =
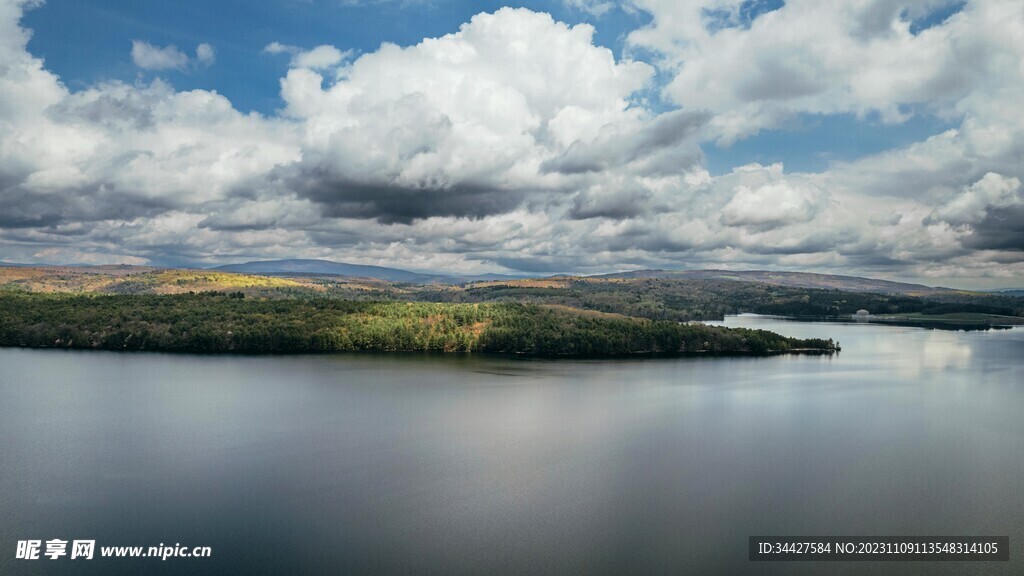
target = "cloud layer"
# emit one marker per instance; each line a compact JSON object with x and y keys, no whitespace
{"x":517,"y":143}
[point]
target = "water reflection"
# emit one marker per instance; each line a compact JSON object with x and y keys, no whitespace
{"x":943,"y":351}
{"x":469,"y":465}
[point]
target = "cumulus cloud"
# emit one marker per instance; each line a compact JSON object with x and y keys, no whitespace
{"x":517,"y":142}
{"x":986,"y":215}
{"x":825,"y":57}
{"x":72,"y":161}
{"x":461,"y":125}
{"x":992,"y":192}
{"x":770,"y":206}
{"x":318,"y":58}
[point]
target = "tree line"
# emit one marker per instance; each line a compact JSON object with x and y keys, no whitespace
{"x":217,"y":322}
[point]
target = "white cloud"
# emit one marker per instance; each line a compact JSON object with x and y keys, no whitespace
{"x":462,"y":122}
{"x":279,"y":48}
{"x":517,"y":142}
{"x":318,"y":58}
{"x":150,"y":57}
{"x":992,"y":192}
{"x":828,"y":56}
{"x":595,"y":7}
{"x":205,"y":54}
{"x":73,"y":256}
{"x":771,"y":205}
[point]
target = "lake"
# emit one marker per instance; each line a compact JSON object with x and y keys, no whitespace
{"x":432,"y":464}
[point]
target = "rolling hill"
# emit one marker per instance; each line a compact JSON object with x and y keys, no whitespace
{"x":296,"y":267}
{"x":304,"y":266}
{"x":790,"y":279}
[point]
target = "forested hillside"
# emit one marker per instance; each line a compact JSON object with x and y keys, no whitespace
{"x":682,"y":300}
{"x":655,"y":298}
{"x":218,"y":322}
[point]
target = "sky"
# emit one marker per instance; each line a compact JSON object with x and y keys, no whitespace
{"x":880,"y":138}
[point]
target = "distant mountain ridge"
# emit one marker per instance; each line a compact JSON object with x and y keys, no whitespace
{"x":327,"y":267}
{"x":308,"y":266}
{"x":1017,"y":292}
{"x":791,"y":279}
{"x":794,"y":279}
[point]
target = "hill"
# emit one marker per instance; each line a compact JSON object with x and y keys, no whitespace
{"x":1015,"y":292}
{"x":792,"y":279}
{"x":215,"y":322}
{"x":120,"y":279}
{"x":327,"y":267}
{"x":307,"y":270}
{"x":680,"y":297}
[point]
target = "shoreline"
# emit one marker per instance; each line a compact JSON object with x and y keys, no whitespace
{"x":441,"y":353}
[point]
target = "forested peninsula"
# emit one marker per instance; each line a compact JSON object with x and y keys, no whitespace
{"x":230,"y":322}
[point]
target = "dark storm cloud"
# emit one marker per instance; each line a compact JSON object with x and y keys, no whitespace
{"x":20,"y":217}
{"x":540,"y":264}
{"x":344,"y":197}
{"x":811,"y":244}
{"x":878,"y":259}
{"x":225,"y":223}
{"x":335,"y":239}
{"x":1001,"y":229}
{"x":391,"y":204}
{"x":615,"y":205}
{"x":96,"y":199}
{"x":23,"y":208}
{"x":655,"y":241}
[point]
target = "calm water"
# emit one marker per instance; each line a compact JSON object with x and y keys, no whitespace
{"x":467,"y":465}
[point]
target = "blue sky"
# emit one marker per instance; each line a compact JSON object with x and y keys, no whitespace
{"x":872,"y":137}
{"x":89,"y":41}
